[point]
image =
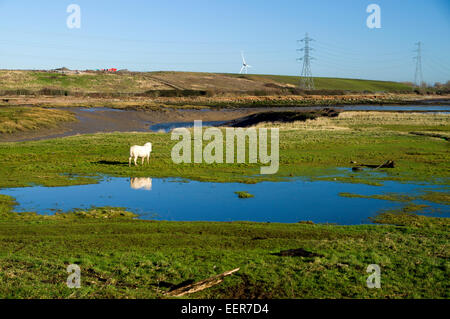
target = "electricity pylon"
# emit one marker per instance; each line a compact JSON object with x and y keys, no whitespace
{"x":306,"y":79}
{"x":418,"y":76}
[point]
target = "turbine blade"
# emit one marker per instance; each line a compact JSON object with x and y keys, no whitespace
{"x":243,"y":67}
{"x":243,"y":59}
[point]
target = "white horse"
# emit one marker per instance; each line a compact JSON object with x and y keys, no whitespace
{"x":140,"y":151}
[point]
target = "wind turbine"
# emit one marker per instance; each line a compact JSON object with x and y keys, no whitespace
{"x":245,"y":66}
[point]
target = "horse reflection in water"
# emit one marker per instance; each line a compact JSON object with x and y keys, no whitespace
{"x":141,"y":183}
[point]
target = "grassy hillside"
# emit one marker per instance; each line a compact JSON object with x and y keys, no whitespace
{"x":86,"y":82}
{"x":355,"y":85}
{"x":23,"y":82}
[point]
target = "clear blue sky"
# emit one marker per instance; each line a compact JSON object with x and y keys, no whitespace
{"x":208,"y":35}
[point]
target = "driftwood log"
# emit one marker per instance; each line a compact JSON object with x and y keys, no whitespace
{"x":387,"y":164}
{"x":201,"y":285}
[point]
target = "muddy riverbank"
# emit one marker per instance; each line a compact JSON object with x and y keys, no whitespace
{"x":103,"y":120}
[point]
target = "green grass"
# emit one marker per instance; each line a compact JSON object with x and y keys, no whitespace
{"x":286,"y":101}
{"x":121,"y":257}
{"x":437,"y":197}
{"x":21,"y":119}
{"x":308,"y":153}
{"x":391,"y":197}
{"x":354,"y":85}
{"x":406,"y":219}
{"x":85,"y":83}
{"x":45,"y":162}
{"x":88,"y":82}
{"x":244,"y":194}
{"x":139,"y":82}
{"x":427,"y":195}
{"x":124,"y":258}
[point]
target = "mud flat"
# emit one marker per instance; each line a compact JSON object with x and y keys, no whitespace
{"x":103,"y":120}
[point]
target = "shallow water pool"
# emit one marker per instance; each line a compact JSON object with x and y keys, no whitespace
{"x":172,"y":199}
{"x":169,"y":126}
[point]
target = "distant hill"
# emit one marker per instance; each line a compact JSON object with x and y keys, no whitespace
{"x":355,"y":85}
{"x":24,"y":82}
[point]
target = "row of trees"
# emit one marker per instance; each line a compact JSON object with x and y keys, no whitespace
{"x":445,"y":85}
{"x":436,"y":88}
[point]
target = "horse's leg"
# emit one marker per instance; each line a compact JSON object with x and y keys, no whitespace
{"x":135,"y":161}
{"x":143,"y":159}
{"x":129,"y":162}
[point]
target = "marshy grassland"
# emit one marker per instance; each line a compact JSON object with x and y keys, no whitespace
{"x":312,"y":149}
{"x":369,"y":120}
{"x":22,"y":119}
{"x":173,"y":99}
{"x":122,"y":257}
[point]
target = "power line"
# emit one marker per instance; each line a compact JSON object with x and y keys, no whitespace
{"x":436,"y":69}
{"x":418,"y":76}
{"x":347,"y":51}
{"x":439,"y":64}
{"x":306,"y":80}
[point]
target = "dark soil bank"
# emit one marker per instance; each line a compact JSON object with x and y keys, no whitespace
{"x":284,"y":116}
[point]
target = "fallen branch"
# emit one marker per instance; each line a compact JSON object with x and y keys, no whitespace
{"x":387,"y":164}
{"x":201,"y":285}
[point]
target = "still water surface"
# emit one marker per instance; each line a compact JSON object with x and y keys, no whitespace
{"x":172,"y":199}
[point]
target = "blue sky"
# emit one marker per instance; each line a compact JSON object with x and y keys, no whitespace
{"x":208,"y":35}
